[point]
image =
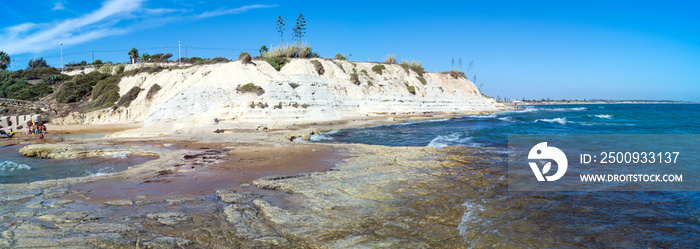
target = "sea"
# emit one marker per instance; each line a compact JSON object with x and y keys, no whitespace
{"x":493,"y":216}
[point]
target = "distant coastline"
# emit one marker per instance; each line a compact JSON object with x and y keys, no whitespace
{"x":580,"y":102}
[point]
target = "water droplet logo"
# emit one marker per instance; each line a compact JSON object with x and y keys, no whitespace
{"x":543,"y":152}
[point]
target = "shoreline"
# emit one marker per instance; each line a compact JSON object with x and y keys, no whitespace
{"x":237,"y":172}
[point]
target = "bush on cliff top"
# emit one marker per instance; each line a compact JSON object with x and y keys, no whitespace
{"x":277,"y":62}
{"x":455,"y":74}
{"x":378,"y":69}
{"x":244,"y":58}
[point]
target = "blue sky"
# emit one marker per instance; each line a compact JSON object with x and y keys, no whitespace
{"x":530,"y":49}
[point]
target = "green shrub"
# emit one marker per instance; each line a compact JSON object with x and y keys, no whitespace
{"x":105,"y":93}
{"x":19,"y":89}
{"x":318,"y":66}
{"x":294,"y":85}
{"x":411,"y":89}
{"x":405,"y":66}
{"x":378,"y":69}
{"x":455,"y":74}
{"x":244,"y":58}
{"x":339,"y":56}
{"x":148,"y":70}
{"x":152,"y":91}
{"x":79,"y":86}
{"x":37,"y":72}
{"x":354,"y":79}
{"x":277,"y":62}
{"x":56,"y":78}
{"x":418,"y":68}
{"x":251,"y":88}
{"x":120,"y":69}
{"x":422,"y":80}
{"x":131,"y":95}
{"x":364,"y":72}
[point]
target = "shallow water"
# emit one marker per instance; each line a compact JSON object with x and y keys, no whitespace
{"x":493,"y":216}
{"x":15,"y":168}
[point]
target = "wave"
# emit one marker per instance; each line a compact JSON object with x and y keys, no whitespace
{"x":552,"y":120}
{"x":507,"y":119}
{"x":603,"y":116}
{"x":452,"y":139}
{"x":10,"y":166}
{"x":534,"y":109}
{"x":491,"y":115}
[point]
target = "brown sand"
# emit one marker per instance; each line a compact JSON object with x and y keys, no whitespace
{"x":241,"y":165}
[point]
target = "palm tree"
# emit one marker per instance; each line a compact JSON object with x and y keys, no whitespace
{"x":134,"y":55}
{"x":263,"y":49}
{"x":4,"y":60}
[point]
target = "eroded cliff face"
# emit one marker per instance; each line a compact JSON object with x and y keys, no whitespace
{"x":296,"y":93}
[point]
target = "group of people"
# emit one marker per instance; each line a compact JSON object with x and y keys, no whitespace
{"x":38,"y":129}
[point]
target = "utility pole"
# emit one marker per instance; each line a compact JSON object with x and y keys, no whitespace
{"x":186,"y":52}
{"x":61,"y":57}
{"x":93,"y":56}
{"x":179,"y":54}
{"x":166,"y":49}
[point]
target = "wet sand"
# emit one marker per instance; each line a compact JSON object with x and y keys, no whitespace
{"x":240,"y":165}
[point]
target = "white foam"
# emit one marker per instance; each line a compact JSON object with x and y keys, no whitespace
{"x":507,"y":119}
{"x":533,"y":109}
{"x":603,"y":116}
{"x":119,"y":155}
{"x":452,"y":139}
{"x":318,"y":138}
{"x":552,"y":120}
{"x":492,"y":115}
{"x":103,"y":172}
{"x":469,"y":219}
{"x":10,"y":166}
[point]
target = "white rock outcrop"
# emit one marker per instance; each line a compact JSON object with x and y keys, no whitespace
{"x":296,"y":93}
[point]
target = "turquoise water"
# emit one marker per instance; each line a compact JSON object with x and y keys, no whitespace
{"x":15,"y":168}
{"x":494,"y":216}
{"x":493,"y":129}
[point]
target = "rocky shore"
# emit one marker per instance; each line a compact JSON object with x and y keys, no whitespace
{"x":375,"y":197}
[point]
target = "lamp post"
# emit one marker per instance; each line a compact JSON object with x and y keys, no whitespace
{"x":179,"y":54}
{"x":61,"y":57}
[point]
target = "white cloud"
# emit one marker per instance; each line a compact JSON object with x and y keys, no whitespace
{"x":36,"y":38}
{"x":234,"y":11}
{"x":114,"y":17}
{"x":58,"y":6}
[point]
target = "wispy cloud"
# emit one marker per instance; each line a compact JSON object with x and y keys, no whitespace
{"x":34,"y":38}
{"x":58,"y":6}
{"x":114,"y":17}
{"x":222,"y":12}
